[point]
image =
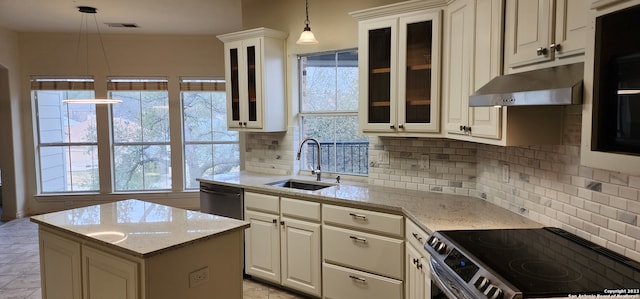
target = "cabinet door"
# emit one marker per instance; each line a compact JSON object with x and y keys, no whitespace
{"x":571,"y":27}
{"x":60,"y":267}
{"x":233,"y":58}
{"x":460,"y":31}
{"x":106,"y":276}
{"x":301,"y":262}
{"x":377,"y":61}
{"x":529,"y":28}
{"x":486,"y":122}
{"x":252,"y":53}
{"x":418,"y":73}
{"x":415,"y":283}
{"x":262,"y":246}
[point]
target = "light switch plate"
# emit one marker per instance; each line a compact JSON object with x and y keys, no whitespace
{"x":505,"y":173}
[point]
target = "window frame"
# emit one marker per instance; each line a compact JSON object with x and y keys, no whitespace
{"x":212,"y":84}
{"x":323,"y":113}
{"x":60,"y":84}
{"x":139,"y":84}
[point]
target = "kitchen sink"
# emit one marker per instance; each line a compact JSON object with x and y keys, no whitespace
{"x":301,"y":185}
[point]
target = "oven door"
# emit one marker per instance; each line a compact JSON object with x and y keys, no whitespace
{"x":444,"y":286}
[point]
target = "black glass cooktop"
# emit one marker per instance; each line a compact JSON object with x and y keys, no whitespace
{"x":550,"y":262}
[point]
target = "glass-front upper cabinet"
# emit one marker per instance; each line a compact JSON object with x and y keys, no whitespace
{"x":254,"y":74}
{"x":399,"y":73}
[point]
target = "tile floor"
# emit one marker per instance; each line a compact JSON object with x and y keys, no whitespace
{"x":20,"y":266}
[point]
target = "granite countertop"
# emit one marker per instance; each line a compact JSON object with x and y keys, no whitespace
{"x":432,"y":211}
{"x":139,"y":228}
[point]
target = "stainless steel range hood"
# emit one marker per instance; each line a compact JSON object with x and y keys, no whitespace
{"x":561,"y":85}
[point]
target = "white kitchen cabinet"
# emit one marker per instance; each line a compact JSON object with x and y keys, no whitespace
{"x":262,"y":238}
{"x":540,"y":31}
{"x":60,"y":267}
{"x":255,"y":80}
{"x":472,"y":57}
{"x":106,"y":276}
{"x":300,"y":246}
{"x":362,"y":252}
{"x":74,"y":270}
{"x":399,"y":68}
{"x":283,"y":243}
{"x":262,"y":246}
{"x":418,"y":273}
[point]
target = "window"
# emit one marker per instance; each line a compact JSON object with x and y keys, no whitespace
{"x":208,"y":147}
{"x":141,"y":143}
{"x":67,"y":146}
{"x":329,"y":112}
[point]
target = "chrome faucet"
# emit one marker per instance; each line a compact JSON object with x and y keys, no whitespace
{"x":316,"y":171}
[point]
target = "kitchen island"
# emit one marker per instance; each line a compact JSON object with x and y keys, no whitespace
{"x":136,"y":249}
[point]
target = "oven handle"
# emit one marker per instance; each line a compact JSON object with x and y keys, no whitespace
{"x":444,"y":287}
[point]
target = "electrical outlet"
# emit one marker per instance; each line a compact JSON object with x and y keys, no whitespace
{"x":383,"y":158}
{"x":505,"y":173}
{"x":424,"y":162}
{"x":198,"y":277}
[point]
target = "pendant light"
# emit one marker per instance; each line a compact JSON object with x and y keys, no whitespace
{"x":307,"y":38}
{"x":86,"y":11}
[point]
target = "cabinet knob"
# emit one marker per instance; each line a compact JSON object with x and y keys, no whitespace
{"x":400,"y":126}
{"x":392,"y":127}
{"x":541,"y":51}
{"x":282,"y":223}
{"x":555,"y":47}
{"x":244,"y":124}
{"x":275,"y":221}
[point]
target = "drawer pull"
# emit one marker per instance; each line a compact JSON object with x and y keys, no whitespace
{"x":358,"y":279}
{"x":358,"y":239}
{"x":358,"y":216}
{"x":417,"y":236}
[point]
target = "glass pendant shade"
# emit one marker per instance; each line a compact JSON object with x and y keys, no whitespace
{"x":307,"y":38}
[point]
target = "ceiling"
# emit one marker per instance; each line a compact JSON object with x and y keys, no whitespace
{"x":196,"y":17}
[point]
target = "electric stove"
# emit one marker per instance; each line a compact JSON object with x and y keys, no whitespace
{"x":528,"y":263}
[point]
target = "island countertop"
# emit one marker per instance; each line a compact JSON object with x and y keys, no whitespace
{"x":430,"y":210}
{"x":139,"y":228}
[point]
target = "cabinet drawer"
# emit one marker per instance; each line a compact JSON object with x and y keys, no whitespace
{"x":301,"y":209}
{"x":363,"y":220}
{"x":340,"y":282}
{"x":367,"y":252}
{"x":261,"y":202}
{"x":415,"y":235}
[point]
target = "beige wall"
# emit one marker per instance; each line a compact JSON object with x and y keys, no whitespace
{"x":11,"y":158}
{"x":329,"y":20}
{"x":128,"y":55}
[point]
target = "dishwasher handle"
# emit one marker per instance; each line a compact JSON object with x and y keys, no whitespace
{"x":219,"y":193}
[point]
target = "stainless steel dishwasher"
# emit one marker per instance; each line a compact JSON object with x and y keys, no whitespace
{"x":222,"y":200}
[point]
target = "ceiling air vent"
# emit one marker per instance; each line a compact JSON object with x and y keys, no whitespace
{"x":122,"y":25}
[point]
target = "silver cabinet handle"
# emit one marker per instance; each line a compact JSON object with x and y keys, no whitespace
{"x":358,"y":239}
{"x":417,"y":236}
{"x":359,"y":279}
{"x":359,"y":216}
{"x":541,"y":51}
{"x":555,"y":47}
